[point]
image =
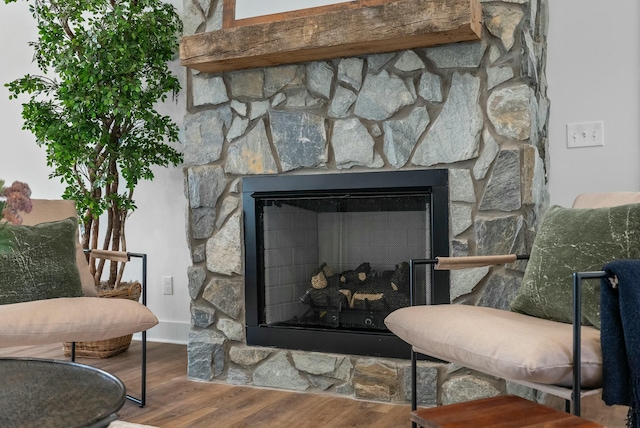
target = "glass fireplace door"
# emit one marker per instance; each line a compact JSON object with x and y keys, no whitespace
{"x":341,"y":261}
{"x":326,"y":256}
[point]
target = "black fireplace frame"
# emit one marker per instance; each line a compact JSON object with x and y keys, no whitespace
{"x":432,"y":182}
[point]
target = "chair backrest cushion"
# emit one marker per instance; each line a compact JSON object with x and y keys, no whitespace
{"x":600,"y":200}
{"x":45,"y":210}
{"x":42,"y":263}
{"x":578,"y":239}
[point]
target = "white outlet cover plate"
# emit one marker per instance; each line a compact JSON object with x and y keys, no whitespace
{"x":167,"y":285}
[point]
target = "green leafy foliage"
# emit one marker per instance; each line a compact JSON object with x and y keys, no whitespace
{"x":104,"y":69}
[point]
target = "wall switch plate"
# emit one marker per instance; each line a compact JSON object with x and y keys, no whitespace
{"x":588,"y":134}
{"x":167,"y":285}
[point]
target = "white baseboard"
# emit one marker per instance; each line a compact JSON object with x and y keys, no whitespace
{"x":168,"y":332}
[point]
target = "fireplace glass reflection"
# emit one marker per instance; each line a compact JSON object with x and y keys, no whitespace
{"x":341,"y":261}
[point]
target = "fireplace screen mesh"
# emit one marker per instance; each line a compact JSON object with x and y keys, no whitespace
{"x":340,"y":261}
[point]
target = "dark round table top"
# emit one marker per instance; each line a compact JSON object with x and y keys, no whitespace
{"x":50,"y":393}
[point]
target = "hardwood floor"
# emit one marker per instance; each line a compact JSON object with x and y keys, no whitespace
{"x":174,"y":401}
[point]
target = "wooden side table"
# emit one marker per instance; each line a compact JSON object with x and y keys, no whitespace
{"x":503,"y":411}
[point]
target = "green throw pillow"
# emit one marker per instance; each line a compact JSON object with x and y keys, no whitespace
{"x":42,"y":264}
{"x":570,"y":240}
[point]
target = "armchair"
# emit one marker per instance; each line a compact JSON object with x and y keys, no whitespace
{"x":54,"y":298}
{"x":539,"y":343}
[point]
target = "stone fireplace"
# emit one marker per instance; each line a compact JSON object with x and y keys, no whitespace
{"x":477,"y":111}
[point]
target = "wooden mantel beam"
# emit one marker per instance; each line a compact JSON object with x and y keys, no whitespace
{"x":393,"y":26}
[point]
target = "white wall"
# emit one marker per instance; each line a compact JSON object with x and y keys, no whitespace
{"x":250,"y":8}
{"x":156,"y":228}
{"x":593,"y":71}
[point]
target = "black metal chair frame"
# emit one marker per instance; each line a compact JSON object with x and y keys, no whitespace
{"x":143,"y":387}
{"x":578,"y":278}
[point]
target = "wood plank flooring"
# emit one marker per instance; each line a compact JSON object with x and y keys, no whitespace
{"x":174,"y":401}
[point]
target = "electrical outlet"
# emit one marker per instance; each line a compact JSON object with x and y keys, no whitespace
{"x":167,"y":285}
{"x":588,"y":134}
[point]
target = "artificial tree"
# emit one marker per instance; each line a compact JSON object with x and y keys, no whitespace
{"x":104,"y":67}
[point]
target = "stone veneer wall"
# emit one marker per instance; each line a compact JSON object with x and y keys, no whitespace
{"x":478,"y":109}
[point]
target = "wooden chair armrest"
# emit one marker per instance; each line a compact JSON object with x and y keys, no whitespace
{"x":124,"y":257}
{"x":455,"y":263}
{"x":118,"y":256}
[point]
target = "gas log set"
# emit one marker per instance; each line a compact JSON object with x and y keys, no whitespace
{"x":358,"y":298}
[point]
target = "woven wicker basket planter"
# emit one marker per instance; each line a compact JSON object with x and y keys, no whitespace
{"x":110,"y":347}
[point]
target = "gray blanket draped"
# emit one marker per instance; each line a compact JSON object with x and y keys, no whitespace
{"x":620,"y":336}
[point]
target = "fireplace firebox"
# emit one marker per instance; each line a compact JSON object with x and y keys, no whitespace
{"x":327,"y":257}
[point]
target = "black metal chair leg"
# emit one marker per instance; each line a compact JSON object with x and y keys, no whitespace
{"x":414,"y":385}
{"x":577,"y":317}
{"x":143,"y":383}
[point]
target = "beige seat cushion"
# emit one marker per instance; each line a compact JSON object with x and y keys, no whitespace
{"x":504,"y":344}
{"x":73,"y":319}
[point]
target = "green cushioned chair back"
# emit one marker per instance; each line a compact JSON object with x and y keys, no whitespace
{"x":45,"y":210}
